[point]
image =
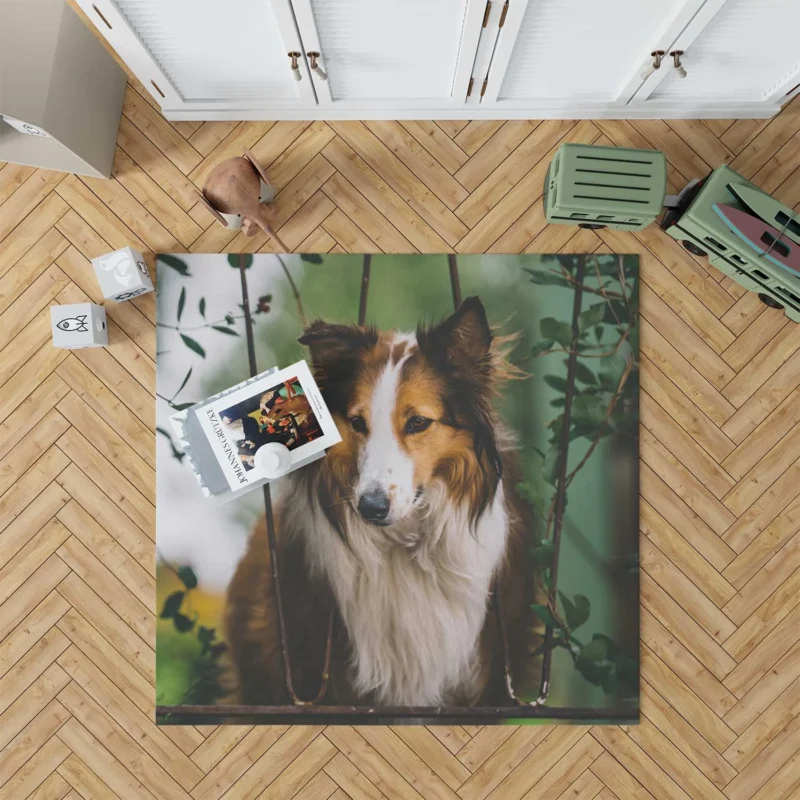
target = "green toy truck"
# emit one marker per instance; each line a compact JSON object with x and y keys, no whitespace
{"x":701,"y":230}
{"x":744,"y":232}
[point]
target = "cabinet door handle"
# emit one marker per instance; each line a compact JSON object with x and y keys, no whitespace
{"x":315,"y":68}
{"x":657,"y":56}
{"x":676,"y":57}
{"x":296,"y":74}
{"x":102,"y":17}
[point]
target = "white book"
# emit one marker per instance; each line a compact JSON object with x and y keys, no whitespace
{"x":231,"y":438}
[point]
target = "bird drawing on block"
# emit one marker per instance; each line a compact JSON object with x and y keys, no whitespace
{"x":233,"y":188}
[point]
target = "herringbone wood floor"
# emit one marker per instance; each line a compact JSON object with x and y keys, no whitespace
{"x":720,"y":472}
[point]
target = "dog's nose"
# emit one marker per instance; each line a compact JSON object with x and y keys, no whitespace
{"x":374,"y":505}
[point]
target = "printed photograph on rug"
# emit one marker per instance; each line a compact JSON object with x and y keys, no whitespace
{"x":280,"y":414}
{"x":468,"y":552}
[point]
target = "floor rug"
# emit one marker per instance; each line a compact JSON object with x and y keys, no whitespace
{"x":468,"y":553}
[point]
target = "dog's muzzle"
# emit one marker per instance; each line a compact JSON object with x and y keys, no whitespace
{"x":374,"y":506}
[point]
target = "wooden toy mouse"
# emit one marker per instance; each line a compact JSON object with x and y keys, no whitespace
{"x":234,"y":192}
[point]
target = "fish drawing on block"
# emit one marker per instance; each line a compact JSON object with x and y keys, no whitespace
{"x":761,"y":237}
{"x":77,"y":324}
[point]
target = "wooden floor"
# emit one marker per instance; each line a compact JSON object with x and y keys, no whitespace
{"x":720,"y":472}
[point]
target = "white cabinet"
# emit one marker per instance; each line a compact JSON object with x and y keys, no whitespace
{"x":743,"y":51}
{"x":568,"y":52}
{"x":219,"y":56}
{"x":390,"y":54}
{"x":384,"y":59}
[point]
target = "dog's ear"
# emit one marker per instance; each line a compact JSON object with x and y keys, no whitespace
{"x":331,"y":345}
{"x":465,"y":337}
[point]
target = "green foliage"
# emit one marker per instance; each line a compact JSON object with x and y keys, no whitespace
{"x":560,"y":332}
{"x":603,"y":403}
{"x":204,"y":687}
{"x":600,"y":661}
{"x":592,"y":317}
{"x":583,"y":373}
{"x":171,"y":605}
{"x":229,"y":319}
{"x":589,"y":408}
{"x":240,"y":259}
{"x":178,"y":264}
{"x":182,"y":623}
{"x":556,"y":382}
{"x":188,"y":578}
{"x":545,"y":615}
{"x":184,"y":381}
{"x":575,"y":610}
{"x":542,"y":554}
{"x":193,"y":345}
{"x":604,"y":664}
{"x":543,"y":346}
{"x":546,"y":278}
{"x":551,"y":464}
{"x":176,"y":454}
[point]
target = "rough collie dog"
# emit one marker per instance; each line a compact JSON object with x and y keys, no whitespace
{"x":403,"y":528}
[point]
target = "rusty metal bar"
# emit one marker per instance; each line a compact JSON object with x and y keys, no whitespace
{"x":455,"y":283}
{"x":365,"y":276}
{"x":271,"y":535}
{"x":385,"y":714}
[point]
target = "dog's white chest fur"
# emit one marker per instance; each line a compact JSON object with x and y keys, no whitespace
{"x":414,"y":615}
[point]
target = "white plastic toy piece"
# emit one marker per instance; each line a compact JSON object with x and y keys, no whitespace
{"x":273,"y":460}
{"x":78,"y":325}
{"x":122,"y":275}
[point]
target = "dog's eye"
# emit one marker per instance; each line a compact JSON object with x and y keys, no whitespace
{"x":357,"y":423}
{"x":417,"y":424}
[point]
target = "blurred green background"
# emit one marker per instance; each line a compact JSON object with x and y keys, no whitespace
{"x":599,"y":542}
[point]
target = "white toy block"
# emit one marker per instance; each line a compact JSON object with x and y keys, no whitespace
{"x":78,"y":325}
{"x":122,"y":275}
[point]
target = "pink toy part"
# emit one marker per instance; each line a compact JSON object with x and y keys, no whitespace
{"x":764,"y":239}
{"x":769,"y":209}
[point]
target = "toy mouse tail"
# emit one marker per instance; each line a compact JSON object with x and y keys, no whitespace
{"x":263,"y":223}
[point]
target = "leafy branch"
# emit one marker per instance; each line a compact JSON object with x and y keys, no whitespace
{"x":600,"y":660}
{"x":312,"y":259}
{"x":228,"y":323}
{"x":177,"y":607}
{"x":598,"y":399}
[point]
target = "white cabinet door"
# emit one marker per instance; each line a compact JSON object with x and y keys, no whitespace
{"x":574,"y":54}
{"x":390,"y":54}
{"x":207,"y":53}
{"x":746,"y":52}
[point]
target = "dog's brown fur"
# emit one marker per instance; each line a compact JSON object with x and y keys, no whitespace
{"x":459,"y":449}
{"x":252,"y":626}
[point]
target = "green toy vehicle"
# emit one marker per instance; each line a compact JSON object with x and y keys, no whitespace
{"x":744,"y":232}
{"x":605,"y":187}
{"x":698,"y":225}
